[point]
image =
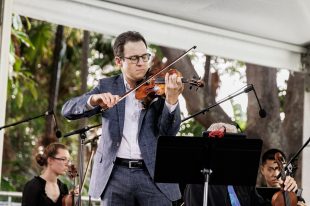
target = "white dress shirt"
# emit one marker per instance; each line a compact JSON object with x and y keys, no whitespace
{"x":129,"y":147}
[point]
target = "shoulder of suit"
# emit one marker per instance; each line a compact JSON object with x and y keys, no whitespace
{"x":109,"y":79}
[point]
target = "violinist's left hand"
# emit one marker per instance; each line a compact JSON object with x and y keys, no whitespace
{"x":173,"y":88}
{"x":290,"y":184}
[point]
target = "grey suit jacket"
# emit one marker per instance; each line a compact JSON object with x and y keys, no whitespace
{"x":154,"y":122}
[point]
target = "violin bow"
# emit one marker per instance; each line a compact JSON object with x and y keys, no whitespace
{"x":152,"y":76}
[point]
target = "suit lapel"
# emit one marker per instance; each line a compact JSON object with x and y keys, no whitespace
{"x":142,"y":115}
{"x":120,"y":107}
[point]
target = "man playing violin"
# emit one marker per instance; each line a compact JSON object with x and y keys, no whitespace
{"x":270,"y":171}
{"x":124,"y":163}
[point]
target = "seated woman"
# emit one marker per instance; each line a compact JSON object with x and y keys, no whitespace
{"x":47,"y":189}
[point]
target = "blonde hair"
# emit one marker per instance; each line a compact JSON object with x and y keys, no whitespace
{"x":228,"y":127}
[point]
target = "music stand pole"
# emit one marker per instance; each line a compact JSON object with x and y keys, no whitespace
{"x":206,"y":173}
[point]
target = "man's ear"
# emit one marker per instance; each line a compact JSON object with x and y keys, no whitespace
{"x":261,"y":169}
{"x":118,"y":61}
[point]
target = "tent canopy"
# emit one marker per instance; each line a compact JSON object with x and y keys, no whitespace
{"x":271,"y":33}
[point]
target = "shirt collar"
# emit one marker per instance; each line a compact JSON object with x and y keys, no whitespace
{"x":127,"y":86}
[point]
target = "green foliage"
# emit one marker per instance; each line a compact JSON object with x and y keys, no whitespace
{"x":239,"y":115}
{"x":101,"y":50}
{"x":191,"y":128}
{"x":282,"y":94}
{"x":31,"y":55}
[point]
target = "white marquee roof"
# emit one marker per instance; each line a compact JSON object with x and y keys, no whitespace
{"x":271,"y":33}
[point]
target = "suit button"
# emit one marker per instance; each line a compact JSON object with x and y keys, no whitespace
{"x":117,"y":144}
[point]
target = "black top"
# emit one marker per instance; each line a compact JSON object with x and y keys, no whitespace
{"x":218,"y":195}
{"x":34,"y":193}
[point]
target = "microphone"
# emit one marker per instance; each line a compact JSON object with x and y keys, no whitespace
{"x":57,"y":131}
{"x":262,"y":113}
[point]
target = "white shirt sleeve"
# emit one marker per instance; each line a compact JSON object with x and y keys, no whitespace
{"x":171,"y":107}
{"x":89,"y":106}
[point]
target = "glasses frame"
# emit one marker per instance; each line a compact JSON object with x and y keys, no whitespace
{"x":136,"y":59}
{"x":68,"y":161}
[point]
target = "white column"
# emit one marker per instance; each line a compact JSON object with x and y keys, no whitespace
{"x":5,"y":33}
{"x":306,"y":151}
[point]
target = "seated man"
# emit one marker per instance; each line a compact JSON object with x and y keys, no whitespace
{"x":222,"y":195}
{"x":270,"y":170}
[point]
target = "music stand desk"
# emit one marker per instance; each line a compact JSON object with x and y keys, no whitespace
{"x":230,"y":161}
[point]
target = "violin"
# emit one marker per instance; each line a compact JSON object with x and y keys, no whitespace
{"x":156,"y":87}
{"x":283,"y":198}
{"x":146,"y":80}
{"x":68,"y":200}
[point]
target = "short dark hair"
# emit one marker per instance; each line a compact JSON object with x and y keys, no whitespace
{"x":269,"y":155}
{"x":122,"y":39}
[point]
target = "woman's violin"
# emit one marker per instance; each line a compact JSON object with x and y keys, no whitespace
{"x":68,"y":200}
{"x":283,"y":198}
{"x":156,"y":87}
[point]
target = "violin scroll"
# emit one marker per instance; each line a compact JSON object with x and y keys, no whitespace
{"x":72,"y":172}
{"x":68,"y":200}
{"x":283,"y":198}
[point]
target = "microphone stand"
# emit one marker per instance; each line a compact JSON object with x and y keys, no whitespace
{"x":82,"y":133}
{"x":246,"y":90}
{"x":28,"y":119}
{"x":289,"y":165}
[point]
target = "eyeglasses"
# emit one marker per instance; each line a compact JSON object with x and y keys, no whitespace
{"x":65,"y":160}
{"x":135,"y":59}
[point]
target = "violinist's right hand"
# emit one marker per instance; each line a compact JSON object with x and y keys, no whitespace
{"x":104,"y":100}
{"x":290,"y":184}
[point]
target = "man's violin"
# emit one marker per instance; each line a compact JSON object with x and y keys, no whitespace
{"x":156,"y":87}
{"x":283,"y":198}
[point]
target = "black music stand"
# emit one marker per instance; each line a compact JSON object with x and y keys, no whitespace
{"x":196,"y":160}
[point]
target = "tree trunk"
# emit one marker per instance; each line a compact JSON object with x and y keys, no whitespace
{"x":268,"y":128}
{"x":84,"y":69}
{"x":202,"y":98}
{"x":54,"y":87}
{"x":284,"y":135}
{"x":293,"y":122}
